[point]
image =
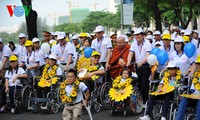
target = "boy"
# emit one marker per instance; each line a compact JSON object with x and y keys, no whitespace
{"x":73,"y":106}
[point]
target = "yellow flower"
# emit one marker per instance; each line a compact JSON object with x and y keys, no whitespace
{"x":66,"y":81}
{"x":62,"y":92}
{"x":45,"y":70}
{"x":54,"y":80}
{"x":129,"y":80}
{"x":69,"y":100}
{"x":119,"y":77}
{"x":51,"y":75}
{"x":94,"y":67}
{"x":91,"y":69}
{"x":55,"y":67}
{"x":116,"y":80}
{"x":93,"y":77}
{"x":166,"y":74}
{"x":115,"y":85}
{"x":46,"y":77}
{"x":197,"y":86}
{"x":47,"y":65}
{"x":63,"y":98}
{"x":119,"y":85}
{"x":166,"y":83}
{"x":196,"y":74}
{"x":126,"y":84}
{"x":178,"y":77}
{"x":165,"y":79}
{"x":178,"y":72}
{"x":73,"y":94}
{"x":195,"y":80}
{"x":77,"y":82}
{"x":53,"y":71}
{"x":62,"y":85}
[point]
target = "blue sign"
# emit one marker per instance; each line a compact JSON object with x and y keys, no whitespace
{"x":127,"y":1}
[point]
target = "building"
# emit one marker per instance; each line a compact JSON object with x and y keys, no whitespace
{"x":79,"y":14}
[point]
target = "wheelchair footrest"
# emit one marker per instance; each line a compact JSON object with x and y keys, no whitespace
{"x":39,"y":99}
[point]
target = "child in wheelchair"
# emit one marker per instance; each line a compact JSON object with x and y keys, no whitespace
{"x":48,"y":82}
{"x":193,"y":98}
{"x":121,"y":91}
{"x":165,"y":91}
{"x":12,"y":82}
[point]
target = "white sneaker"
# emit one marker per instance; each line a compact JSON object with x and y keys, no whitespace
{"x":13,"y":110}
{"x":146,"y":117}
{"x":163,"y":118}
{"x":2,"y":109}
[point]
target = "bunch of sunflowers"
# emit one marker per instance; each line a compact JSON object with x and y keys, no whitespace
{"x":195,"y":80}
{"x":48,"y":76}
{"x":121,"y":90}
{"x":73,"y":94}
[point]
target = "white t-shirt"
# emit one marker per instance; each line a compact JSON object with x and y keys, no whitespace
{"x":10,"y":75}
{"x":140,"y":51}
{"x":64,"y":51}
{"x":182,"y":61}
{"x":30,"y":60}
{"x":41,"y":57}
{"x":82,"y":88}
{"x":20,"y":51}
{"x":195,"y":42}
{"x":102,"y":47}
{"x":6,"y":52}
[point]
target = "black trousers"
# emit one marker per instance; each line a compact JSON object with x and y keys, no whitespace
{"x":42,"y":92}
{"x":143,"y":73}
{"x":11,"y":96}
{"x":166,"y":97}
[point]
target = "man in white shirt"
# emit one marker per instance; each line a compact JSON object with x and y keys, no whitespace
{"x":141,"y":47}
{"x":102,"y":45}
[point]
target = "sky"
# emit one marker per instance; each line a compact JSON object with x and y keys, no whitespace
{"x":47,"y":9}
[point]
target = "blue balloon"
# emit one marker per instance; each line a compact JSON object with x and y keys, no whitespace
{"x":162,"y":57}
{"x":19,"y":11}
{"x":155,"y":51}
{"x":88,"y":52}
{"x":189,"y":50}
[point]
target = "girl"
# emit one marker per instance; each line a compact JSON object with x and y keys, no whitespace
{"x":12,"y":76}
{"x":169,"y":79}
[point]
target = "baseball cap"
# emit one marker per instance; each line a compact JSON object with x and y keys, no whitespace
{"x":83,"y":35}
{"x":35,"y":40}
{"x":94,"y":53}
{"x":157,"y":33}
{"x":28,"y":43}
{"x":158,"y":43}
{"x":61,"y":35}
{"x":171,"y":64}
{"x":186,"y":38}
{"x":22,"y":35}
{"x":149,"y":37}
{"x":198,"y":59}
{"x":138,"y":31}
{"x":187,"y":32}
{"x":195,"y":31}
{"x":56,"y":33}
{"x":178,"y":39}
{"x":99,"y":28}
{"x":53,"y":56}
{"x":74,"y":37}
{"x":13,"y":58}
{"x":166,"y":36}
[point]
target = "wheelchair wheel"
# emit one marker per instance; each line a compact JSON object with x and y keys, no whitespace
{"x":97,"y":107}
{"x":58,"y":100}
{"x":156,"y":113}
{"x":25,"y":96}
{"x":104,"y":97}
{"x":54,"y":108}
{"x":136,"y":101}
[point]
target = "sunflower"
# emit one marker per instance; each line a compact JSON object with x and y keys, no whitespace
{"x":126,"y":84}
{"x":166,"y":74}
{"x":94,"y":67}
{"x":178,"y":72}
{"x":178,"y":77}
{"x":83,"y":62}
{"x":119,"y":85}
{"x":196,"y":74}
{"x":197,"y":86}
{"x":77,"y":82}
{"x":165,"y":83}
{"x":46,"y":77}
{"x":165,"y":79}
{"x":73,"y":94}
{"x":195,"y":80}
{"x":91,"y":69}
{"x":63,"y":98}
{"x":54,"y":80}
{"x":45,"y":70}
{"x":62,"y":92}
{"x":129,"y":80}
{"x":115,"y":85}
{"x":55,"y":67}
{"x":47,"y":65}
{"x":51,"y":75}
{"x":62,"y":85}
{"x":69,"y":100}
{"x":116,"y":80}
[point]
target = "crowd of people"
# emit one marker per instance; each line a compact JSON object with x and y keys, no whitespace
{"x":111,"y":55}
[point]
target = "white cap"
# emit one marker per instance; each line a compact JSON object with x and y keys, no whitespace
{"x":61,"y":35}
{"x":22,"y":35}
{"x":182,"y":31}
{"x":35,"y":40}
{"x":1,"y":40}
{"x":149,"y":37}
{"x":196,"y":31}
{"x":166,"y":32}
{"x":158,"y":43}
{"x":53,"y":56}
{"x":56,"y":33}
{"x":178,"y":39}
{"x":74,"y":37}
{"x":138,"y":31}
{"x":157,"y":33}
{"x":187,"y":32}
{"x":52,"y":33}
{"x":171,"y":64}
{"x":99,"y":29}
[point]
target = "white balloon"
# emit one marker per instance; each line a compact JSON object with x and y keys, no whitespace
{"x":152,"y":59}
{"x":1,"y":65}
{"x":45,"y":48}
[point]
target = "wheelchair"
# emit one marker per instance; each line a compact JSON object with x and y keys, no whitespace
{"x":99,"y":97}
{"x":133,"y":103}
{"x":51,"y":102}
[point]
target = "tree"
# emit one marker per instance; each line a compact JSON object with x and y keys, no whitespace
{"x":68,"y":27}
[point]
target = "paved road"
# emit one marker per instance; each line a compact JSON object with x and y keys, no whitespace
{"x":45,"y":115}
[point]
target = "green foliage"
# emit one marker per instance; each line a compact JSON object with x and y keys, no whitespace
{"x":68,"y":27}
{"x":6,"y":37}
